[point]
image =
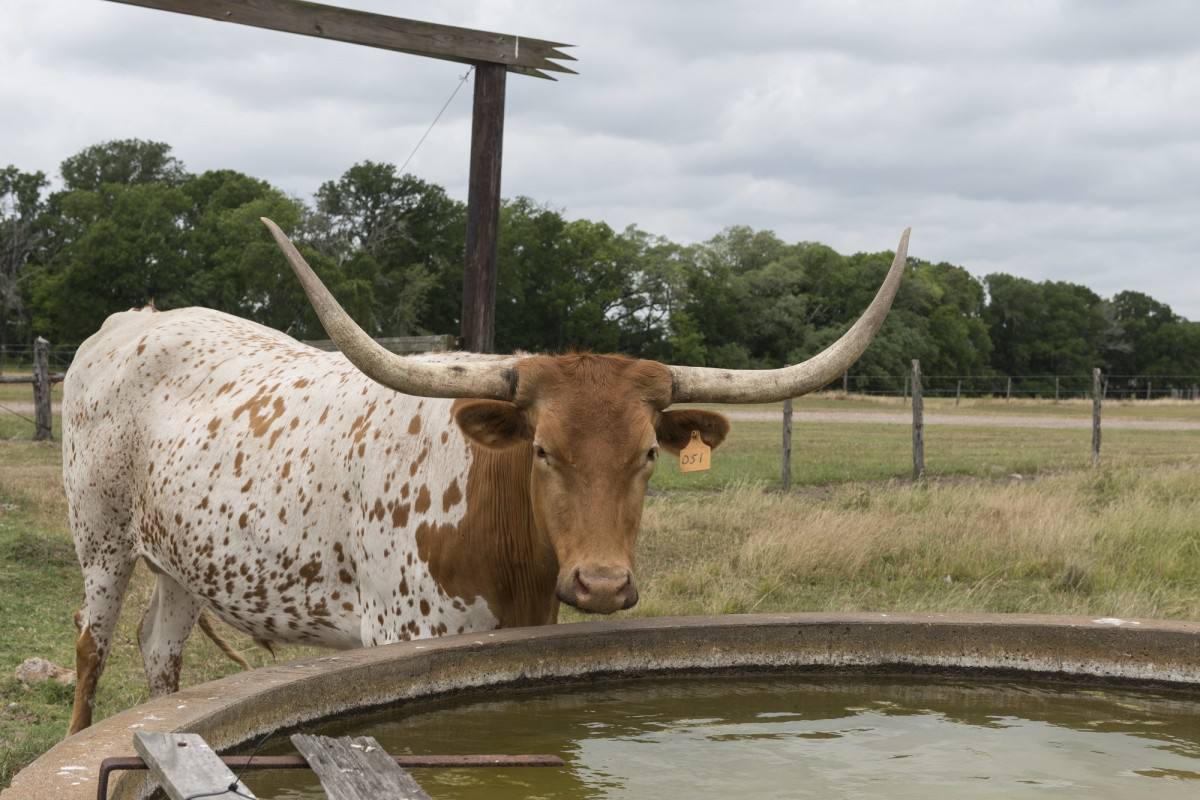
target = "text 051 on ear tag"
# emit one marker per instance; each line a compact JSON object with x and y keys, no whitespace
{"x":696,"y":457}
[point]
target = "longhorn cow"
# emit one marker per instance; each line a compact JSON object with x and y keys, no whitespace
{"x":359,"y":498}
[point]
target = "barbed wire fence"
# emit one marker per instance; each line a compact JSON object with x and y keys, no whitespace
{"x":20,"y":365}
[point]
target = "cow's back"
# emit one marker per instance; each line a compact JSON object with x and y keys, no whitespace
{"x":273,"y":480}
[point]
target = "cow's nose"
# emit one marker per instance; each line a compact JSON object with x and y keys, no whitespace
{"x":602,"y":590}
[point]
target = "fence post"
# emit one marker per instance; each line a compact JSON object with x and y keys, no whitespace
{"x":958,"y":393}
{"x":846,"y":383}
{"x":1149,"y":384}
{"x":918,"y":433}
{"x":905,"y":400}
{"x":1056,"y":388}
{"x":1008,"y":391}
{"x":1097,"y":399}
{"x":787,"y":445}
{"x":41,"y":390}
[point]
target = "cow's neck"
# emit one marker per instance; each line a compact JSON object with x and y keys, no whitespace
{"x":499,"y":541}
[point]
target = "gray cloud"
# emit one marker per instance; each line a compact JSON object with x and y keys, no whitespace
{"x":1053,"y":140}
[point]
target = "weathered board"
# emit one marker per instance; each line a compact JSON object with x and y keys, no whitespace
{"x":357,"y":768}
{"x":519,"y":54}
{"x":185,"y":766}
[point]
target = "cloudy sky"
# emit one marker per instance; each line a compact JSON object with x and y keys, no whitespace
{"x":1053,"y":140}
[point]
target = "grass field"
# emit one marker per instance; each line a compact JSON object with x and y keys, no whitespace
{"x":1012,"y":519}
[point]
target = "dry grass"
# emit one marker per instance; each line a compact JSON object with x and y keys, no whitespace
{"x":1122,"y":542}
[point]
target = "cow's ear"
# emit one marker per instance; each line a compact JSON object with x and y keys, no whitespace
{"x":493,"y":423}
{"x":674,"y":428}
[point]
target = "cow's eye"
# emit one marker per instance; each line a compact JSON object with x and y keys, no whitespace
{"x":652,"y":455}
{"x":539,"y":451}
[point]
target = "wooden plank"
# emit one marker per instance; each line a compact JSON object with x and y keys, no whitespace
{"x":185,"y":766}
{"x":918,"y":430}
{"x":483,"y":211}
{"x":399,"y":344}
{"x":520,"y":54}
{"x":1097,"y":401}
{"x":57,"y":377}
{"x":41,"y":391}
{"x":357,"y":768}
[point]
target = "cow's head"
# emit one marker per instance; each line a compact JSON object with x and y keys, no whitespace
{"x":596,"y":425}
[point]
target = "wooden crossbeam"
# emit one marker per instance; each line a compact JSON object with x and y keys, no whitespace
{"x":519,"y":54}
{"x":186,"y":767}
{"x":357,"y":768}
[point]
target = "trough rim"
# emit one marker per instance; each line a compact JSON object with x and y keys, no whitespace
{"x":241,"y":707}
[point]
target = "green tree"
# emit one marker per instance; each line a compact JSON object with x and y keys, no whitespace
{"x":122,"y":161}
{"x":21,"y":206}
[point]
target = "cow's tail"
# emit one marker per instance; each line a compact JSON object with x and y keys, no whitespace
{"x":206,"y":625}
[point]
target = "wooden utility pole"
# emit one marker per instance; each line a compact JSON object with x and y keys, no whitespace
{"x":1097,"y":400}
{"x":786,"y":479}
{"x":42,"y":431}
{"x":918,"y":432}
{"x":492,"y":54}
{"x":483,"y":210}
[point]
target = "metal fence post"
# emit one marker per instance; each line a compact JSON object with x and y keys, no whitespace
{"x":41,"y":390}
{"x":918,"y":432}
{"x":786,"y":478}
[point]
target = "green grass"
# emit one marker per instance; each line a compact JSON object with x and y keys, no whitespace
{"x":824,"y":453}
{"x":855,"y":535}
{"x":1181,"y":410}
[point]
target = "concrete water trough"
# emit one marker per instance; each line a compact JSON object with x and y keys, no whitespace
{"x":1102,"y":653}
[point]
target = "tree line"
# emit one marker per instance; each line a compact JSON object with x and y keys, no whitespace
{"x":131,"y":224}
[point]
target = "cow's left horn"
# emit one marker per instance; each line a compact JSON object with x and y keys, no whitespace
{"x":708,"y":385}
{"x":492,"y":378}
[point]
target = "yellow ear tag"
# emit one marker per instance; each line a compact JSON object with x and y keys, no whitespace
{"x":697,"y":456}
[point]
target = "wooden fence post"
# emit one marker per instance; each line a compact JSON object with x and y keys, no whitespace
{"x":1056,"y":388}
{"x":786,"y":478}
{"x":905,"y":400}
{"x":1008,"y":391}
{"x":1097,"y":399}
{"x":41,"y":390}
{"x":483,"y":209}
{"x":958,"y":393}
{"x":846,"y":383}
{"x":1149,"y":384}
{"x":918,"y":432}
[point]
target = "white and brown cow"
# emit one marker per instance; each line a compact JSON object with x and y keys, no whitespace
{"x":357,"y":499}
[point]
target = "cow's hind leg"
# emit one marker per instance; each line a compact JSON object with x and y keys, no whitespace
{"x":104,"y":582}
{"x":164,"y":632}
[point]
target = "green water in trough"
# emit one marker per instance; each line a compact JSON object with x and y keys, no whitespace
{"x":793,"y":738}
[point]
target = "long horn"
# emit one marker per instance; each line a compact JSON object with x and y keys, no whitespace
{"x":493,"y":379}
{"x":708,"y":385}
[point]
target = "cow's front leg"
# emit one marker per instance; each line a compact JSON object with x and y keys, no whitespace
{"x":164,"y":632}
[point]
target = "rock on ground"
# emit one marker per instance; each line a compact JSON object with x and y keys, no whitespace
{"x":38,"y":670}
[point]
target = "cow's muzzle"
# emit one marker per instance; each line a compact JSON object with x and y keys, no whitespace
{"x":599,"y":590}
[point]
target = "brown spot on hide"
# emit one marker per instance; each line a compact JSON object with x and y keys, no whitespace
{"x":452,"y":496}
{"x":423,"y":500}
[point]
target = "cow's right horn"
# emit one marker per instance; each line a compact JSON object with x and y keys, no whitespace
{"x":710,"y":385}
{"x":491,"y":378}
